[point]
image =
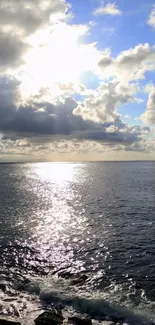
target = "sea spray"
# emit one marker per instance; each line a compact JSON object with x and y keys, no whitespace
{"x":96,"y":308}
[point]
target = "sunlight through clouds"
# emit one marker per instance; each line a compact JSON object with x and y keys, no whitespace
{"x":59,"y":56}
{"x":63,"y":81}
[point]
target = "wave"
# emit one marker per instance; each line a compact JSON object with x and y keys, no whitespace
{"x":54,"y":290}
{"x":96,"y":308}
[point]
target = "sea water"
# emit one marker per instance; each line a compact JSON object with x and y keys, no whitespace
{"x":61,"y":221}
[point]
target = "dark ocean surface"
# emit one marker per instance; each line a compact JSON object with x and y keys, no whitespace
{"x":85,"y":229}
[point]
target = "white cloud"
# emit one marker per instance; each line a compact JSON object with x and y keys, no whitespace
{"x":101,"y":106}
{"x":151,"y":20}
{"x":47,"y":56}
{"x":131,"y":64}
{"x":149,"y":114}
{"x":148,"y":87}
{"x":21,"y":19}
{"x":109,"y":9}
{"x":31,"y":126}
{"x":139,"y":100}
{"x":63,"y":55}
{"x":127,"y":116}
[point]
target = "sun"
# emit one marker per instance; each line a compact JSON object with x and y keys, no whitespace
{"x":57,"y":56}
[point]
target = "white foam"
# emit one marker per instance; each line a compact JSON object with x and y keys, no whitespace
{"x":96,"y":308}
{"x":97,"y":304}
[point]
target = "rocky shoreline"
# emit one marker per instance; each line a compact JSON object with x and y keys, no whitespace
{"x":54,"y":316}
{"x":53,"y":308}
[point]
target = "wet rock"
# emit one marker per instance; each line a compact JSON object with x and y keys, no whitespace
{"x":80,"y":279}
{"x":66,"y":275}
{"x":27,"y":285}
{"x":3,"y":286}
{"x":22,"y":284}
{"x":75,"y":278}
{"x":108,"y":323}
{"x":50,"y":317}
{"x":8,"y":322}
{"x":117,"y":319}
{"x":33,"y":288}
{"x":80,"y":321}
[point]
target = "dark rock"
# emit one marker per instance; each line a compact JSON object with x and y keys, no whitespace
{"x":109,"y":323}
{"x":8,"y":322}
{"x":32,"y":288}
{"x":22,"y":284}
{"x":66,"y":275}
{"x":50,"y":317}
{"x":83,"y":277}
{"x":3,"y":286}
{"x":117,"y":319}
{"x":80,"y":279}
{"x":27,"y":285}
{"x":80,"y":321}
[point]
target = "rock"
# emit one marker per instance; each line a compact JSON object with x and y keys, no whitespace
{"x":50,"y":317}
{"x":80,"y":279}
{"x":32,"y":288}
{"x":3,"y":286}
{"x":66,"y":275}
{"x":108,"y":323}
{"x":117,"y":319}
{"x":22,"y":284}
{"x":8,"y":322}
{"x":27,"y":285}
{"x":80,"y":321}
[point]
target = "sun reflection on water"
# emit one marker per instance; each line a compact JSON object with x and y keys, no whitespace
{"x":59,"y":223}
{"x":57,"y":172}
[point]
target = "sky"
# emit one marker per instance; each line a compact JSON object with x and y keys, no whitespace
{"x":77,"y":80}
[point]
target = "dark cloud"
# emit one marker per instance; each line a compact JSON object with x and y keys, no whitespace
{"x":12,"y":49}
{"x":111,"y":137}
{"x":28,"y":15}
{"x":46,"y":120}
{"x":20,"y":19}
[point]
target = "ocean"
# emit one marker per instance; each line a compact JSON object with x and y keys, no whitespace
{"x":83,"y":234}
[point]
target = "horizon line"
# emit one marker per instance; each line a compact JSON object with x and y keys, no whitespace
{"x":76,"y":161}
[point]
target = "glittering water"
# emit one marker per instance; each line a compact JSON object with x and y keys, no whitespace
{"x":96,"y":219}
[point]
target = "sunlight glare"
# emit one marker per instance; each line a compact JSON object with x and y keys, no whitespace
{"x":59,"y":173}
{"x":57,"y":56}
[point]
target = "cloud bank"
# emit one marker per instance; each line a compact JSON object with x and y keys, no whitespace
{"x":45,"y":105}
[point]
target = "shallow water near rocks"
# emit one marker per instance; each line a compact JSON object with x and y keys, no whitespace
{"x":62,"y":221}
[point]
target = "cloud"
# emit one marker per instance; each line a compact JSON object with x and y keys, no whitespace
{"x":139,"y":100}
{"x":127,"y":116}
{"x":131,"y":64}
{"x":151,"y":20}
{"x":109,"y":9}
{"x":21,"y":19}
{"x":149,"y":114}
{"x":27,"y":16}
{"x":9,"y":93}
{"x":36,"y":123}
{"x":148,"y":87}
{"x":110,"y":140}
{"x":101,"y":106}
{"x":64,"y":57}
{"x":12,"y":50}
{"x":47,"y":57}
